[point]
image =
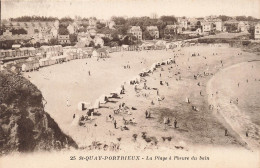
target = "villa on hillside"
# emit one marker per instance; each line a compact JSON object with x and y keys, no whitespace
{"x":136,"y":31}
{"x":243,"y":26}
{"x":207,"y":27}
{"x":257,"y":31}
{"x":64,"y":39}
{"x":183,"y":23}
{"x":170,"y":30}
{"x":153,"y":30}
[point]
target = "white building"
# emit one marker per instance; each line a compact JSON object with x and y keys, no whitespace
{"x":98,"y":41}
{"x":183,"y":23}
{"x":136,"y":31}
{"x":243,"y":26}
{"x":257,"y":31}
{"x":72,"y":28}
{"x":153,"y":30}
{"x":206,"y":27}
{"x":7,"y":33}
{"x":219,"y":25}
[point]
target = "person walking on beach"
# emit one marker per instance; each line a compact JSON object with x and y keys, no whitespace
{"x":92,"y":115}
{"x":175,"y":123}
{"x":115,"y":124}
{"x":168,"y":121}
{"x":68,"y":103}
{"x":200,"y":93}
{"x":74,"y":116}
{"x":89,"y":73}
{"x":165,"y":122}
{"x":146,"y":114}
{"x":226,"y":132}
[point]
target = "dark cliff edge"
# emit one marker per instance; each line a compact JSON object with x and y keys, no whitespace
{"x":24,"y":125}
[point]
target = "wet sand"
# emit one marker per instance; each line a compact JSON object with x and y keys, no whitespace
{"x":238,"y":100}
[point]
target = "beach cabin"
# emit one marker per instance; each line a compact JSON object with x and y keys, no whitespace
{"x":16,"y":46}
{"x":115,"y":49}
{"x":88,"y":51}
{"x":125,"y":47}
{"x":1,"y":65}
{"x":8,"y":53}
{"x":2,"y":54}
{"x":18,"y":52}
{"x":45,"y":49}
{"x":69,"y":56}
{"x":30,"y":65}
{"x":148,"y":46}
{"x":23,"y":52}
{"x":31,"y":51}
{"x":100,"y":53}
{"x":103,"y":99}
{"x":12,"y":53}
{"x":83,"y":106}
{"x":59,"y":59}
{"x":46,"y":62}
{"x":160,"y":45}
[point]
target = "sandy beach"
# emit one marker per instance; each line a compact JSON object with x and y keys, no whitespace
{"x":197,"y":125}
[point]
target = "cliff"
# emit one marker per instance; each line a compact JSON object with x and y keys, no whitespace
{"x":24,"y":125}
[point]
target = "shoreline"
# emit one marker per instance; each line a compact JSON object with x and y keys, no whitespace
{"x":238,"y":120}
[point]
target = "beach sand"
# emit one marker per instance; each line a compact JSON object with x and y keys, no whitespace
{"x":71,"y":81}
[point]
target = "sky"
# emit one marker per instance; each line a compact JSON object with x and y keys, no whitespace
{"x":104,"y":9}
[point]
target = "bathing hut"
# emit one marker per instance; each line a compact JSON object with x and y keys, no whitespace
{"x":83,"y":106}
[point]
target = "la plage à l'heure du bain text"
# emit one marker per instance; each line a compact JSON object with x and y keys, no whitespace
{"x":148,"y":158}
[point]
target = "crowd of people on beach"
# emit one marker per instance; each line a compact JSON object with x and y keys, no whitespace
{"x":124,"y":111}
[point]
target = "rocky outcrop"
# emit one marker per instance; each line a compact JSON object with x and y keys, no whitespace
{"x":24,"y":125}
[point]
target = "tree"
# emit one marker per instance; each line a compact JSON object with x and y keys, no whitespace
{"x":106,"y":41}
{"x":168,"y":19}
{"x":53,"y":41}
{"x":114,"y":44}
{"x":91,"y":44}
{"x":97,"y":46}
{"x":18,"y":31}
{"x":118,"y":20}
{"x":100,"y":25}
{"x":224,"y":17}
{"x":147,"y":35}
{"x":36,"y":30}
{"x":63,"y":31}
{"x":82,"y":29}
{"x":252,"y":32}
{"x":122,"y":29}
{"x":241,"y":18}
{"x":231,"y":27}
{"x":66,"y":19}
{"x":33,"y":18}
{"x":73,"y":38}
{"x":37,"y":45}
{"x":127,"y":40}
